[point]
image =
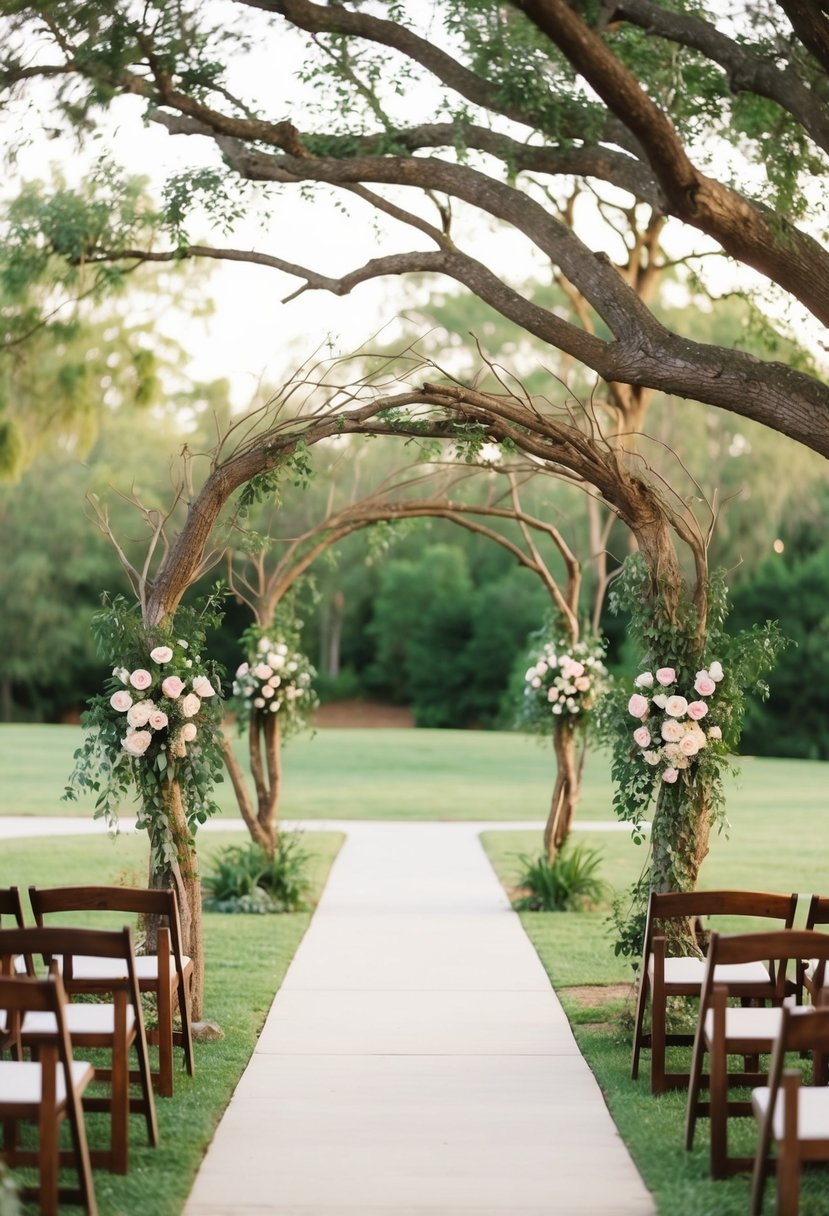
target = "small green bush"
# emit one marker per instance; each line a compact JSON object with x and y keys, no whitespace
{"x":245,"y":879}
{"x":567,"y":884}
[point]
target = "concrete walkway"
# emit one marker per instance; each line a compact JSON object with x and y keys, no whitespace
{"x":416,"y":1061}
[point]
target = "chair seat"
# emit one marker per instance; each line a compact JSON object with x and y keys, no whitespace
{"x":811,"y":968}
{"x":812,"y":1111}
{"x":747,"y":1025}
{"x":81,"y":1020}
{"x":87,"y":967}
{"x":687,"y":971}
{"x":21,"y":1082}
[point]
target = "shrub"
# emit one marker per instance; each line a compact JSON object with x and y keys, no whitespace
{"x":245,"y":879}
{"x":567,"y":884}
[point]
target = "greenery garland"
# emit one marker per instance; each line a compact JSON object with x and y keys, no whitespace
{"x":158,"y":720}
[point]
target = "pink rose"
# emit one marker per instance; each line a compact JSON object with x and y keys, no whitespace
{"x":666,"y":676}
{"x":137,"y":742}
{"x":172,"y":687}
{"x":262,"y":671}
{"x":158,"y":719}
{"x":689,"y":745}
{"x":714,"y":732}
{"x":704,"y":685}
{"x":642,"y":736}
{"x":190,"y":705}
{"x":161,"y":654}
{"x":637,"y":705}
{"x":140,"y":679}
{"x":697,"y":710}
{"x":651,"y":758}
{"x":242,"y":669}
{"x":267,"y":691}
{"x":139,"y":714}
{"x":121,"y":700}
{"x":189,"y":732}
{"x":676,"y":706}
{"x":203,"y":687}
{"x":583,"y":683}
{"x":670,"y":775}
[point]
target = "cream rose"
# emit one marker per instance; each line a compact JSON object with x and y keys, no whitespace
{"x":651,"y":758}
{"x":644,"y":680}
{"x":172,"y":687}
{"x":203,"y":687}
{"x":715,"y":671}
{"x":262,"y":671}
{"x":161,"y":654}
{"x":139,"y":715}
{"x":671,"y":731}
{"x":670,"y":775}
{"x":189,"y":732}
{"x":689,"y":745}
{"x":242,"y":669}
{"x":140,"y":679}
{"x":158,"y":719}
{"x":714,"y":732}
{"x":121,"y":700}
{"x":582,"y":683}
{"x":190,"y":705}
{"x":676,"y":706}
{"x":137,"y":742}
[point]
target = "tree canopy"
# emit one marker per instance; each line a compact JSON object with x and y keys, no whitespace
{"x":448,"y":117}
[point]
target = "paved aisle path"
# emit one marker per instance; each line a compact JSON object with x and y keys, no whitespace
{"x":416,"y":1061}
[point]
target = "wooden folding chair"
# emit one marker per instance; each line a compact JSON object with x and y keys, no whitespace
{"x":662,"y":976}
{"x":115,"y":1026}
{"x":11,"y":911}
{"x":45,"y":1092}
{"x":818,"y":914}
{"x":749,"y":1032}
{"x":167,"y":973}
{"x":794,"y":1118}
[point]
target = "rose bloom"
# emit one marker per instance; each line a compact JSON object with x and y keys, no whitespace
{"x":259,"y":702}
{"x":670,"y":775}
{"x":264,"y":644}
{"x":121,"y":674}
{"x":161,"y":654}
{"x":638,"y":705}
{"x":274,"y":681}
{"x":704,"y":685}
{"x":139,"y":714}
{"x":714,"y":732}
{"x":715,"y":671}
{"x":189,"y":732}
{"x":642,"y":736}
{"x":541,"y":667}
{"x":190,"y":705}
{"x":203,"y":687}
{"x":651,"y":757}
{"x":242,"y":669}
{"x":267,"y":691}
{"x":552,"y":695}
{"x":172,"y":687}
{"x":697,"y":710}
{"x":660,"y":700}
{"x":279,"y":661}
{"x":666,"y":676}
{"x":582,"y":683}
{"x":262,"y":671}
{"x":140,"y":679}
{"x":137,"y":742}
{"x":671,"y":731}
{"x":121,"y":700}
{"x":676,"y":706}
{"x":689,"y":745}
{"x":275,"y":705}
{"x":158,"y":719}
{"x":645,"y":680}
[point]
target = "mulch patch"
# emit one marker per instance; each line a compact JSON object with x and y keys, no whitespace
{"x":591,"y":996}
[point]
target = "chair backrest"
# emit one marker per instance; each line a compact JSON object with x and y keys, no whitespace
{"x":141,"y":901}
{"x":11,"y":908}
{"x":775,"y":947}
{"x":51,"y":942}
{"x":818,"y":913}
{"x":21,"y":994}
{"x":692,"y":905}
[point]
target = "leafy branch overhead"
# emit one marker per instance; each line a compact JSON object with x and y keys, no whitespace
{"x":721,"y":130}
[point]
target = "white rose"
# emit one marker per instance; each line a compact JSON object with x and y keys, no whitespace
{"x":121,"y":700}
{"x":645,"y":680}
{"x":541,"y":668}
{"x":262,"y":671}
{"x":676,"y":706}
{"x":121,"y":674}
{"x":280,"y":662}
{"x":242,"y":669}
{"x":715,"y":671}
{"x":137,"y":742}
{"x":660,"y":700}
{"x":203,"y":687}
{"x":672,"y":731}
{"x":189,"y":732}
{"x":264,"y":644}
{"x":139,"y":714}
{"x":161,"y":654}
{"x":267,"y":691}
{"x":259,"y":702}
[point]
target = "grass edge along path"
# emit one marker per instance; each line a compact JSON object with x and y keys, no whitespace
{"x":576,"y":951}
{"x":247,"y":958}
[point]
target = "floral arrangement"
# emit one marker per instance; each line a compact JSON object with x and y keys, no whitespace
{"x":563,"y":683}
{"x":276,"y":679}
{"x":674,"y":728}
{"x":158,"y":719}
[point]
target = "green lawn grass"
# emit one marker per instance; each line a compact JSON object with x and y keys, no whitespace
{"x":246,"y":960}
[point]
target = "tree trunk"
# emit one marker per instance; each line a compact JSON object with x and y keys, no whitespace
{"x":6,"y":699}
{"x":679,"y":844}
{"x":335,"y":633}
{"x":264,"y":734}
{"x":566,"y":791}
{"x":183,"y":874}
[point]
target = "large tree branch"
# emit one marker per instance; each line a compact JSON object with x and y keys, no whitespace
{"x":745,"y":70}
{"x":773,"y":246}
{"x":810,"y":21}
